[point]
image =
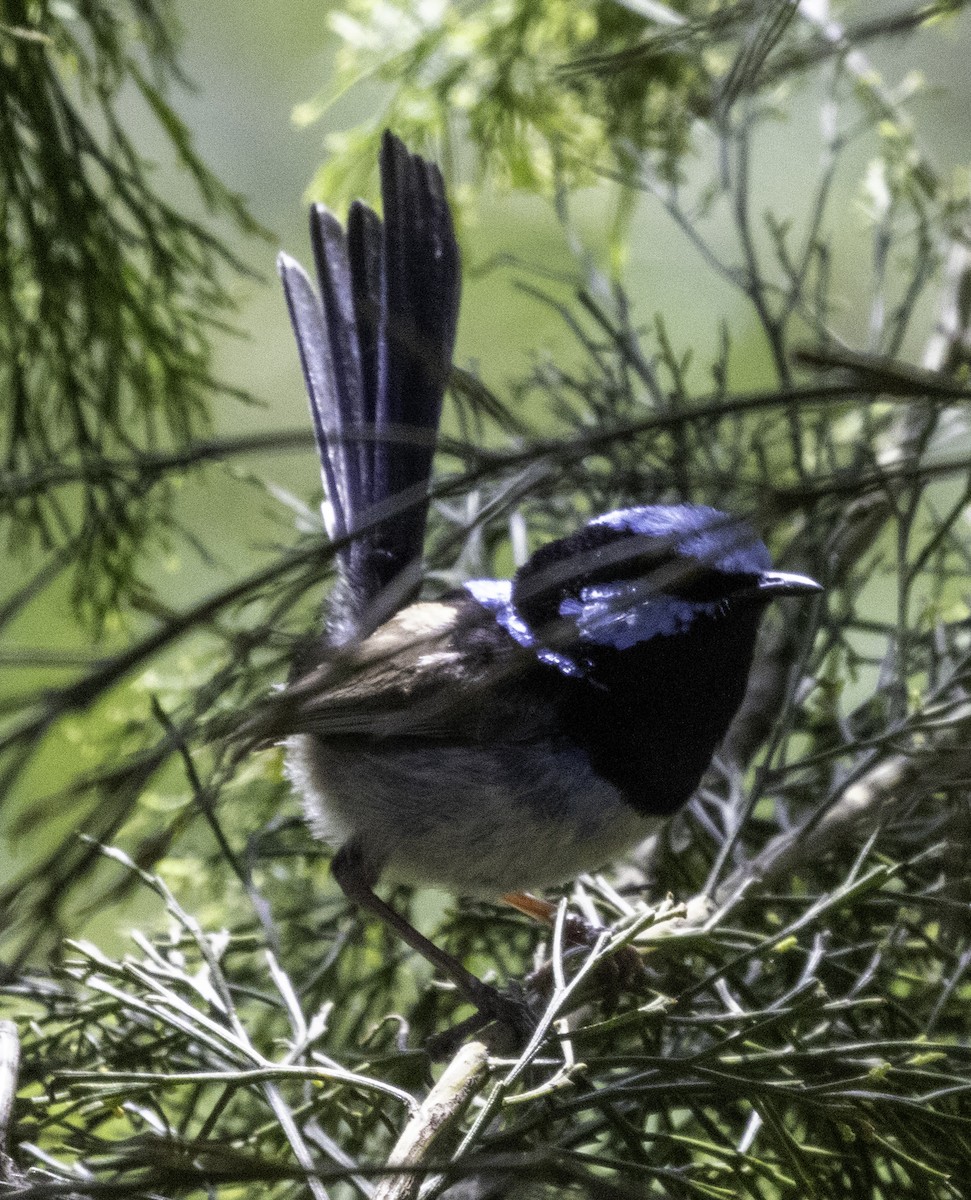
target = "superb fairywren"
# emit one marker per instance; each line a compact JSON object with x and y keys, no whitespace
{"x":514,"y":733}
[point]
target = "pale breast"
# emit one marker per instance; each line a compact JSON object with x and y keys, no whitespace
{"x":470,"y":819}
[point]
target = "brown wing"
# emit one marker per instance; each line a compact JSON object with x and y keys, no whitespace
{"x":435,"y":670}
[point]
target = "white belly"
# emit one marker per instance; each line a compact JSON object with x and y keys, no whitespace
{"x":470,"y":820}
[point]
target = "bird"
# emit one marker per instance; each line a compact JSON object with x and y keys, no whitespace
{"x":510,"y":734}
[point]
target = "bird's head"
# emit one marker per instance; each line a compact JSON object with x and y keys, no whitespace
{"x":653,"y":571}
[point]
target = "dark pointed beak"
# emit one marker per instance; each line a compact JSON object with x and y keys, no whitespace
{"x":785,"y":583}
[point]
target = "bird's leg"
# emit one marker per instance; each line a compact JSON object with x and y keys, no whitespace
{"x":356,"y":883}
{"x":348,"y":869}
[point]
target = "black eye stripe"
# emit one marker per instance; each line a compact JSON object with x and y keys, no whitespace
{"x":602,"y":554}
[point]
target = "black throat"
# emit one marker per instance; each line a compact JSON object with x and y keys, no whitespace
{"x":652,"y":715}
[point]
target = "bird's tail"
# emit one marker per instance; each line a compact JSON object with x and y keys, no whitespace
{"x":376,"y":350}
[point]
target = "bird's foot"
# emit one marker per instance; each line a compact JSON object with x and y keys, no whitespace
{"x":620,"y":972}
{"x":508,"y":1013}
{"x":613,"y":976}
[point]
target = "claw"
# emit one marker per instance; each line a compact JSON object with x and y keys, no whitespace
{"x":509,"y":1011}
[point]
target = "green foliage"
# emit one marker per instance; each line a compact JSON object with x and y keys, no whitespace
{"x":783,"y":1053}
{"x":496,"y":68}
{"x":108,"y":293}
{"x":798,"y":1023}
{"x":561,"y":95}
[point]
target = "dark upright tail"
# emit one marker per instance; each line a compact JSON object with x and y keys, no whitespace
{"x":376,"y":350}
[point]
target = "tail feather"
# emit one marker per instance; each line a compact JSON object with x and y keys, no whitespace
{"x":344,"y":408}
{"x":376,"y":350}
{"x":365,"y":239}
{"x":313,"y":344}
